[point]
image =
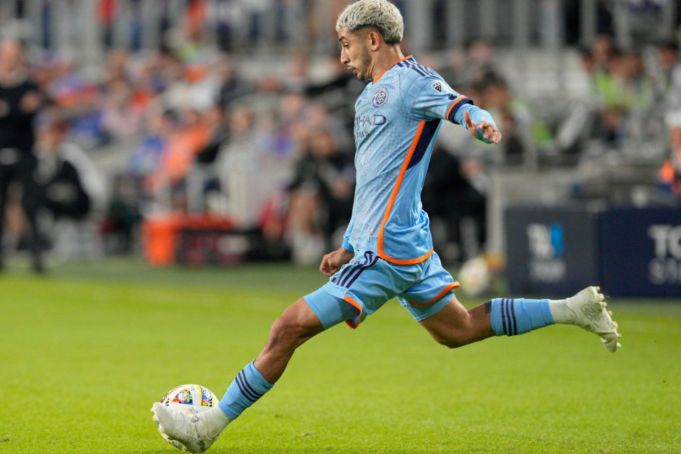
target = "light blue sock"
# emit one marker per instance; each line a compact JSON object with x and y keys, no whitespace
{"x":248,"y":386}
{"x":511,"y":316}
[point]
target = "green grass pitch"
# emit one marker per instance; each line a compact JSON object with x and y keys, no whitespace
{"x":85,"y":351}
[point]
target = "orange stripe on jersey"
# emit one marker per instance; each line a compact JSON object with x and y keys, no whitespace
{"x":448,"y":288}
{"x":356,"y":321}
{"x":377,"y":78}
{"x":391,"y":203}
{"x":451,"y":106}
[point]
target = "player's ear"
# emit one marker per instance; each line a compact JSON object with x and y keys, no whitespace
{"x":374,"y":39}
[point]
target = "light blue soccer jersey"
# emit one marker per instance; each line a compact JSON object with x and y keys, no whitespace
{"x":397,"y":120}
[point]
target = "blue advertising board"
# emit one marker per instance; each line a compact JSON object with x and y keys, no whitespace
{"x":551,"y":250}
{"x":640,"y":251}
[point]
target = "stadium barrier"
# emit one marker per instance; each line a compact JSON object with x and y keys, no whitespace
{"x":630,"y":252}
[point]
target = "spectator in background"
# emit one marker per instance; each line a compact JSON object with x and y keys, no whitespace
{"x":337,"y":94}
{"x":107,"y":11}
{"x":602,"y":50}
{"x":670,"y":173}
{"x":223,"y":14}
{"x":321,"y":194}
{"x":668,"y":77}
{"x":117,"y":68}
{"x":182,"y":146}
{"x":218,"y":133}
{"x":449,"y":197}
{"x":148,"y":154}
{"x":588,"y":64}
{"x":71,"y":189}
{"x":622,"y":89}
{"x":231,"y":85}
{"x":20,"y":100}
{"x":513,"y":115}
{"x":119,"y":117}
{"x":63,"y":191}
{"x":478,"y":63}
{"x":238,"y":170}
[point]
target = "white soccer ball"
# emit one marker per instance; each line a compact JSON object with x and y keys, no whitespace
{"x":190,"y":398}
{"x":475,"y":277}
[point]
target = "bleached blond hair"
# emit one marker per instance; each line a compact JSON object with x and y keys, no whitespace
{"x":381,"y":14}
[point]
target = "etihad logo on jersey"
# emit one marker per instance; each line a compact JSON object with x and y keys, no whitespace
{"x":365,"y":123}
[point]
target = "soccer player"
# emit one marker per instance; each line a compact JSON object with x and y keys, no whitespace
{"x":387,"y":250}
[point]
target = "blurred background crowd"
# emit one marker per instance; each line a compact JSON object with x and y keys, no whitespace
{"x":123,"y":120}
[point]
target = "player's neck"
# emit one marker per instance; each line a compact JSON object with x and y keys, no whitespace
{"x":384,"y":60}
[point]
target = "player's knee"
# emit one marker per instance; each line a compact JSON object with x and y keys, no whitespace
{"x":287,"y":333}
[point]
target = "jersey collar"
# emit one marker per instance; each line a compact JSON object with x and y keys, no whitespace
{"x":408,"y":57}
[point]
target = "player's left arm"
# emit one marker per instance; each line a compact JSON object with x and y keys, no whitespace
{"x":480,"y":124}
{"x":432,"y":98}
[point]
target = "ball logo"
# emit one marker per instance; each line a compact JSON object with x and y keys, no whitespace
{"x":547,"y":250}
{"x":380,"y":97}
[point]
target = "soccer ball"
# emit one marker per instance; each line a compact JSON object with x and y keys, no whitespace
{"x":190,"y":398}
{"x":475,"y":277}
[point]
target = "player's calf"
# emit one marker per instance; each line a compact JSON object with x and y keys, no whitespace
{"x":295,"y":326}
{"x":455,"y":326}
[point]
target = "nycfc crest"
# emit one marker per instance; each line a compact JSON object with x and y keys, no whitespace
{"x":380,"y":97}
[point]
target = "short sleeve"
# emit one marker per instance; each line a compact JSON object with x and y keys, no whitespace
{"x":432,"y":99}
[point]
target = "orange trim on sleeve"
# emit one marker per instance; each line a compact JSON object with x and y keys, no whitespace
{"x":356,"y":321}
{"x":391,"y":202}
{"x":448,"y":288}
{"x":378,"y":77}
{"x":451,"y":106}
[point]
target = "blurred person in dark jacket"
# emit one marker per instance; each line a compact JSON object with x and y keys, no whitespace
{"x":20,"y":100}
{"x":63,"y":191}
{"x":450,"y":197}
{"x":321,"y":196}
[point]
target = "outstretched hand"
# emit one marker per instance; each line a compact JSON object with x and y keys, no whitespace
{"x":484,"y":130}
{"x":333,"y":261}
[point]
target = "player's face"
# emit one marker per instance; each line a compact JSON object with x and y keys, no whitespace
{"x":354,"y":53}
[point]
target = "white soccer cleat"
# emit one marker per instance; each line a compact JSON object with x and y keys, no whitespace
{"x":186,"y":429}
{"x":590,"y":312}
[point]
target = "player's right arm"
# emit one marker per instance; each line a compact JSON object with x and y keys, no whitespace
{"x":333,"y":261}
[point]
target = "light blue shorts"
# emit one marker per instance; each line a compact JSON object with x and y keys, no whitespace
{"x":367,"y":282}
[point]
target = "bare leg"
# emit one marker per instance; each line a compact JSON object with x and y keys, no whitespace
{"x":196,"y":433}
{"x":295,"y":326}
{"x":455,"y":326}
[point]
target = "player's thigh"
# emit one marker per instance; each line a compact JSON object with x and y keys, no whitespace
{"x":327,"y":308}
{"x":358,"y":289}
{"x":302,"y":318}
